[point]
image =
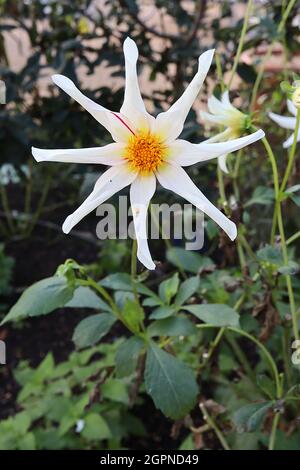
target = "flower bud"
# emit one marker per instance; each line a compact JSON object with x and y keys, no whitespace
{"x":296,"y":96}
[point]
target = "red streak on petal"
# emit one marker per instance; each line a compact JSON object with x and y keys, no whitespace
{"x":123,"y":122}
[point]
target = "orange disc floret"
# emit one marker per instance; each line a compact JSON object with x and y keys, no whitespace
{"x":145,"y":152}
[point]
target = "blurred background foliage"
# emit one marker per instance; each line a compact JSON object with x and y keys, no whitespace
{"x":83,"y":39}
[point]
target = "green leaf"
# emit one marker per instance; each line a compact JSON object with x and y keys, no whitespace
{"x":162,"y":312}
{"x":84,"y":297}
{"x":215,"y":314}
{"x":90,"y":330}
{"x":293,"y":189}
{"x":286,"y":87}
{"x":249,"y":417}
{"x":27,"y":442}
{"x":174,"y":326}
{"x":294,"y":391}
{"x":121,"y":297}
{"x":152,"y":302}
{"x":291,"y":268}
{"x":41,"y":298}
{"x":167,"y":289}
{"x":134,"y":314}
{"x":290,"y":193}
{"x":266,"y":385}
{"x":95,"y":428}
{"x":187,"y":289}
{"x":295,"y":199}
{"x":270,"y":254}
{"x":262,"y":195}
{"x":188,"y":260}
{"x":170,"y":383}
{"x":127,"y":356}
{"x":22,"y":422}
{"x":115,"y":390}
{"x":122,"y":281}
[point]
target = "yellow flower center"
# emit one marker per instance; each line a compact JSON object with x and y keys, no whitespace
{"x":145,"y":152}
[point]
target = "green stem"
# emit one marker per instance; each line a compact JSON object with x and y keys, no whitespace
{"x":219,"y":72}
{"x":273,"y":431}
{"x":133,"y":271}
{"x":267,"y":355}
{"x":276,"y":185}
{"x":6,"y":207}
{"x":286,"y":340}
{"x":167,"y":242}
{"x":234,"y":345}
{"x":235,"y":175}
{"x":241,"y":253}
{"x":286,"y":15}
{"x":106,"y":296}
{"x":225,"y":206}
{"x":222,"y":189}
{"x":241,"y":41}
{"x":293,"y":238}
{"x":103,"y":293}
{"x":241,"y":356}
{"x":265,"y":352}
{"x":214,"y":426}
{"x":247,"y":247}
{"x":212,"y":347}
{"x":277,"y":216}
{"x":273,"y":165}
{"x":41,"y":203}
{"x":288,"y":277}
{"x":28,"y":190}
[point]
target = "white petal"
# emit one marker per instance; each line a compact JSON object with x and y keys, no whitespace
{"x":184,"y":153}
{"x":215,"y":106}
{"x":96,"y":110}
{"x":110,"y":182}
{"x":225,"y":98}
{"x":220,"y":137}
{"x":219,"y":119}
{"x":283,"y":121}
{"x":222,"y":163}
{"x":289,"y":142}
{"x":119,"y":126}
{"x":133,"y":106}
{"x":171,"y":122}
{"x":108,"y":155}
{"x":176,"y":179}
{"x":291,"y":107}
{"x":141,"y":192}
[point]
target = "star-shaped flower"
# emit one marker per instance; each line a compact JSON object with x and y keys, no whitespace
{"x":145,"y":149}
{"x":287,"y":123}
{"x":222,"y":113}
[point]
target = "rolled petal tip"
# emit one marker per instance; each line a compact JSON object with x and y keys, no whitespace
{"x":62,"y":81}
{"x":232,"y":231}
{"x":205,"y":59}
{"x":67,"y":225}
{"x":148,"y":263}
{"x":37,"y":154}
{"x":130,"y":50}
